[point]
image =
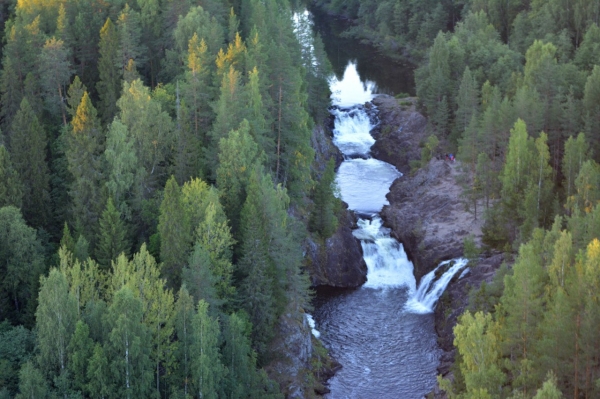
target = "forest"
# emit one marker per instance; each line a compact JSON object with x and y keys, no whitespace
{"x":157,"y":182}
{"x":514,"y":88}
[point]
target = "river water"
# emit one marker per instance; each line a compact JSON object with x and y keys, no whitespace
{"x":386,"y":349}
{"x":383,"y":332}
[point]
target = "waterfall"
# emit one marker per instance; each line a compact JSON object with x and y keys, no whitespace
{"x":430,"y":289}
{"x":387,"y":263}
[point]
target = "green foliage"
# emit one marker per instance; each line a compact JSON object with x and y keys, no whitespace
{"x":28,"y":144}
{"x":112,"y":236}
{"x":323,"y":218}
{"x":11,"y":191}
{"x":84,"y":149}
{"x":21,"y":263}
{"x":16,"y":347}
{"x":470,"y":250}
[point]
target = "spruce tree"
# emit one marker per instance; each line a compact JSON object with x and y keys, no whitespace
{"x":130,"y":46}
{"x":11,"y":190}
{"x":175,"y":233}
{"x":85,"y":145}
{"x":112,"y":235}
{"x":28,"y":151}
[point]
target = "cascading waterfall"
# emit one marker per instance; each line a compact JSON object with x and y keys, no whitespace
{"x":431,"y":289}
{"x":387,"y":263}
{"x":387,"y":349}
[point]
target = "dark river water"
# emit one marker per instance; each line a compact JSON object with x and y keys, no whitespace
{"x":383,"y":332}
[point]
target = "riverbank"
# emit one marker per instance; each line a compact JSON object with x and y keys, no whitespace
{"x":428,"y":214}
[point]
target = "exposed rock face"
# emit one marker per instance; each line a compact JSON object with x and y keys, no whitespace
{"x":428,"y":215}
{"x":400,"y":132}
{"x":294,"y":342}
{"x":339,"y":263}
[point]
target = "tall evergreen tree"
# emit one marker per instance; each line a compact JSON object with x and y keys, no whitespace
{"x":55,"y":72}
{"x":130,"y":46}
{"x":85,"y":145}
{"x":11,"y":191}
{"x":108,"y":86}
{"x":175,"y":233}
{"x":28,"y":150}
{"x":112,"y":235}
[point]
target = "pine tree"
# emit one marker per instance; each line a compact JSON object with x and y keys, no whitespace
{"x":28,"y":151}
{"x":112,"y":235}
{"x":11,"y":191}
{"x":108,"y":86}
{"x":467,"y":102}
{"x":55,"y":73}
{"x":197,"y":91}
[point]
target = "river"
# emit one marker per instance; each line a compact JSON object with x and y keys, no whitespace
{"x":383,"y":332}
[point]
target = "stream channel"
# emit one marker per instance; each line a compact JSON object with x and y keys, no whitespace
{"x":382,"y":333}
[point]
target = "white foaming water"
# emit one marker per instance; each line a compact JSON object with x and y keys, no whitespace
{"x":351,"y":90}
{"x":387,"y":263}
{"x":430,"y":290}
{"x":352,"y":132}
{"x":311,"y":324}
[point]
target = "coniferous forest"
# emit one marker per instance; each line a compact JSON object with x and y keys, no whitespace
{"x":514,"y":88}
{"x":157,"y":181}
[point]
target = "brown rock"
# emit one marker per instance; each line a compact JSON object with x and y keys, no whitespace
{"x":400,"y":132}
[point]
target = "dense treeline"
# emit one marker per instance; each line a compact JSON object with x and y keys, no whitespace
{"x":156,"y":177}
{"x":514,"y":88}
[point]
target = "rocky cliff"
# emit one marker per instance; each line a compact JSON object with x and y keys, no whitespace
{"x":337,"y":261}
{"x":427,"y":212}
